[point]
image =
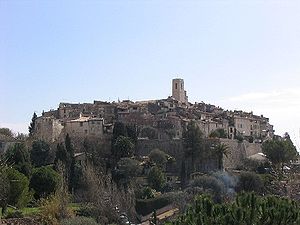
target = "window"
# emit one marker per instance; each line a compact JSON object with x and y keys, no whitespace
{"x":81,"y":124}
{"x":85,"y":131}
{"x":181,"y":86}
{"x":176,"y":85}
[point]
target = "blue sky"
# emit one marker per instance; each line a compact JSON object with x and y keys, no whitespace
{"x":236,"y":54}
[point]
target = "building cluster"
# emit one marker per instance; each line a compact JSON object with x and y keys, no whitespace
{"x":155,"y":119}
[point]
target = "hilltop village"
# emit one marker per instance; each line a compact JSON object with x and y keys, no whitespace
{"x":159,"y":124}
{"x":145,"y":162}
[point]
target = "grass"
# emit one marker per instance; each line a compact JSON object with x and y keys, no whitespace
{"x":30,"y":211}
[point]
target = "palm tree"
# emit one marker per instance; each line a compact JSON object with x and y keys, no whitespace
{"x":221,"y":150}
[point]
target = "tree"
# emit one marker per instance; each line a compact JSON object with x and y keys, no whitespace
{"x":159,"y":157}
{"x":44,"y":181}
{"x":40,"y":153}
{"x":4,"y":185}
{"x":31,"y":127}
{"x":6,"y":132}
{"x":123,"y":141}
{"x":218,"y":133}
{"x":123,"y":147}
{"x":65,"y":155}
{"x":156,"y":178}
{"x":19,"y":157}
{"x":127,"y":169}
{"x":104,"y":195}
{"x":280,"y":151}
{"x":19,"y":194}
{"x":247,"y":209}
{"x":193,"y":143}
{"x":220,"y":151}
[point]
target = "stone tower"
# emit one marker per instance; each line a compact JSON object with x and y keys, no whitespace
{"x":178,"y":91}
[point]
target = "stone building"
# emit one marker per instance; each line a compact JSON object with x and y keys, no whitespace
{"x":48,"y":128}
{"x":85,"y":126}
{"x":160,"y":120}
{"x":178,"y":91}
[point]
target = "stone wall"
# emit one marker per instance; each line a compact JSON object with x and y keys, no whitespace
{"x":238,"y":151}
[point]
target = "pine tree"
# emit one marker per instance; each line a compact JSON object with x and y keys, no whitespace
{"x":31,"y":127}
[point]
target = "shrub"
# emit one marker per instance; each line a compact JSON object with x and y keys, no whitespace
{"x":210,"y":184}
{"x":156,"y":178}
{"x":247,"y":208}
{"x":158,"y":157}
{"x":44,"y":181}
{"x":249,"y":181}
{"x":79,"y":221}
{"x":148,"y":193}
{"x":54,"y":209}
{"x":146,"y":206}
{"x":19,"y":194}
{"x":87,"y":210}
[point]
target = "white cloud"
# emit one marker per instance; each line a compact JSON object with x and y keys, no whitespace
{"x":281,"y":106}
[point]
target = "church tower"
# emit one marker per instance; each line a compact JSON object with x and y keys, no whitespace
{"x":178,"y":92}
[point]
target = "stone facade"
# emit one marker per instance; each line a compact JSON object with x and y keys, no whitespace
{"x":178,"y":92}
{"x":160,"y":123}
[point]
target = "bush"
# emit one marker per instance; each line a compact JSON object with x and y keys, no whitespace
{"x":158,"y":157}
{"x":249,"y":181}
{"x":79,"y":221}
{"x":19,"y":194}
{"x":210,"y":184}
{"x":147,"y":193}
{"x":87,"y":210}
{"x":44,"y":181}
{"x":146,"y":206}
{"x":247,"y":208}
{"x":156,"y":178}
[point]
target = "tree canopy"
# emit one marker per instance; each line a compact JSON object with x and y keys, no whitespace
{"x":159,"y":157}
{"x":156,"y":178}
{"x":44,"y":181}
{"x":123,"y":147}
{"x":40,"y":153}
{"x":19,"y":194}
{"x":193,"y":142}
{"x":280,"y":151}
{"x":19,"y":157}
{"x":31,"y":127}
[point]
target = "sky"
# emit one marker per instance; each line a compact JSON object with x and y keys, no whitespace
{"x":236,"y":54}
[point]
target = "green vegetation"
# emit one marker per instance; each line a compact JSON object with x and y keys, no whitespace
{"x":31,"y":127}
{"x":44,"y":181}
{"x":247,"y":209}
{"x":18,"y":156}
{"x":193,"y":143}
{"x":19,"y":194}
{"x":249,"y":181}
{"x":156,"y":178}
{"x":40,"y":153}
{"x":280,"y":151}
{"x":218,"y":133}
{"x":159,"y":157}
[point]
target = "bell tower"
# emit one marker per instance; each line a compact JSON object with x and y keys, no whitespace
{"x":178,"y":92}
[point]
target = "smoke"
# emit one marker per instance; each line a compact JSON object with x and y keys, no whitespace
{"x":228,"y":180}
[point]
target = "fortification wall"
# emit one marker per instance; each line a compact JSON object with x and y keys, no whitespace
{"x":238,"y":151}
